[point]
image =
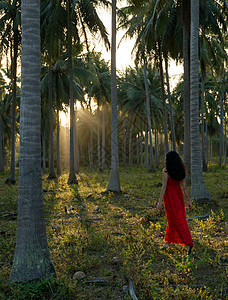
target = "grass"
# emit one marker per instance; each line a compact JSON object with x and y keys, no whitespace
{"x":126,"y":225}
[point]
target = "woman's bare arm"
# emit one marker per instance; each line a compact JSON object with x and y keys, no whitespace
{"x":163,"y":189}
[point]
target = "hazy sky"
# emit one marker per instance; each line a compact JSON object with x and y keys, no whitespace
{"x":123,"y":54}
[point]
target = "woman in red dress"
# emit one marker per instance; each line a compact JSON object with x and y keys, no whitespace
{"x":173,"y":175}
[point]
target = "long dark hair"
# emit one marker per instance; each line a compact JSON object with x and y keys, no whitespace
{"x":175,"y":166}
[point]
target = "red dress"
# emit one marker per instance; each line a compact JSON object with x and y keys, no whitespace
{"x":177,"y":230}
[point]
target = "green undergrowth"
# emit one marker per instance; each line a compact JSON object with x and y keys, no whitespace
{"x":96,"y":227}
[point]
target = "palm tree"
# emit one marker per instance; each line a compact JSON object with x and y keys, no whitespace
{"x":31,"y":260}
{"x":114,"y":181}
{"x":199,"y":189}
{"x":10,"y":37}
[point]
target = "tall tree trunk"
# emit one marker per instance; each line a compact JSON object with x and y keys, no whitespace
{"x":76,"y":146}
{"x":58,"y":129}
{"x":14,"y":73}
{"x":186,"y":92}
{"x":146,"y":146}
{"x":50,"y":109}
{"x":152,"y":167}
{"x":72,"y":176}
{"x":58,"y":144}
{"x":124,"y":144}
{"x":170,"y":106}
{"x":98,"y":139}
{"x":199,"y":189}
{"x":44,"y":150}
{"x":202,"y":127}
{"x":91,"y":143}
{"x":211,"y":146}
{"x":156,"y":148}
{"x":31,"y":260}
{"x":130,"y":146}
{"x":103,"y":137}
{"x":114,"y":181}
{"x":137,"y":148}
{"x":141,"y":149}
{"x":221,"y":131}
{"x":207,"y":146}
{"x":225,"y":143}
{"x":1,"y":151}
{"x":163,"y":98}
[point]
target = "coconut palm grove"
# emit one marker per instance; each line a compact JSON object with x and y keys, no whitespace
{"x":83,"y":144}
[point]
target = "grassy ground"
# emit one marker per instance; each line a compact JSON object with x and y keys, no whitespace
{"x":126,"y":226}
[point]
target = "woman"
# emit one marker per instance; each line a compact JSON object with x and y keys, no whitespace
{"x":177,"y":230}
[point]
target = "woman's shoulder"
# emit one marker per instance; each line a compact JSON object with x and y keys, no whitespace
{"x":164,"y":170}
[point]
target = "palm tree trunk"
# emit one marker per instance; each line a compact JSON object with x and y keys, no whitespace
{"x":225,"y":143}
{"x":124,"y":144}
{"x":31,"y":260}
{"x":202,"y":127}
{"x":199,"y":189}
{"x":72,"y":176}
{"x":14,"y":73}
{"x":170,"y":106}
{"x":44,"y":150}
{"x":156,"y":145}
{"x":130,"y":146}
{"x":137,"y":149}
{"x":221,"y":131}
{"x":146,"y":146}
{"x":207,"y":146}
{"x":50,"y":109}
{"x":1,"y":151}
{"x":163,"y":98}
{"x":76,"y":146}
{"x":114,"y":181}
{"x":152,"y":168}
{"x":98,"y":139}
{"x":58,"y":144}
{"x":187,"y":135}
{"x":91,"y":143}
{"x":103,"y":137}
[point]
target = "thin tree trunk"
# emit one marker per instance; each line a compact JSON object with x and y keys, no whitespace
{"x":146,"y":146}
{"x":211,"y":145}
{"x":221,"y":131}
{"x":186,"y":93}
{"x":31,"y":259}
{"x":44,"y":151}
{"x":130,"y":146}
{"x":170,"y":106}
{"x":199,"y":189}
{"x":72,"y":176}
{"x":163,"y":98}
{"x":1,"y":151}
{"x":141,"y":149}
{"x":137,"y":148}
{"x":14,"y":73}
{"x":52,"y":174}
{"x":114,"y":181}
{"x":152,"y":167}
{"x":207,"y":150}
{"x":156,"y":147}
{"x":202,"y":127}
{"x":225,"y":143}
{"x":124,"y":144}
{"x":103,"y":137}
{"x":76,"y":146}
{"x":91,"y":143}
{"x":58,"y":130}
{"x":98,"y":139}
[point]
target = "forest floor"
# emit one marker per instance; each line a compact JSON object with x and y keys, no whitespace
{"x":115,"y":237}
